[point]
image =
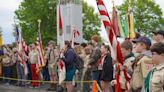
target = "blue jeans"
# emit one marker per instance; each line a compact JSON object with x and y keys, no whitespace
{"x":29,"y":72}
{"x":95,"y":75}
{"x":6,"y":70}
{"x":45,"y":74}
{"x":21,"y":74}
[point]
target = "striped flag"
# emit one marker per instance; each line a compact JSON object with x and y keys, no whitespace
{"x":41,"y":60}
{"x":21,"y":48}
{"x":113,"y":42}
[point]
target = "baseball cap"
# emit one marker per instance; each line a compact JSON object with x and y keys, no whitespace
{"x":160,"y":32}
{"x":143,"y":39}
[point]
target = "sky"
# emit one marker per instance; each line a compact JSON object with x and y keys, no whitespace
{"x":7,"y":8}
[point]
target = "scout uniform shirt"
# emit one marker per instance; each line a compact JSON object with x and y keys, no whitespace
{"x":33,"y":55}
{"x":157,"y":80}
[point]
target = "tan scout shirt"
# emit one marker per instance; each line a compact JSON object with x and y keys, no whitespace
{"x":146,"y":65}
{"x":33,"y":57}
{"x":157,"y":80}
{"x":52,"y":56}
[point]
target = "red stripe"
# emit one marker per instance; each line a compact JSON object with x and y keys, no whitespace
{"x":60,"y":20}
{"x":104,"y":13}
{"x":112,"y":37}
{"x":100,"y":2}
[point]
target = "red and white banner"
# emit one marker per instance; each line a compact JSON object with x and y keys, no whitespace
{"x":113,"y":42}
{"x":75,"y":34}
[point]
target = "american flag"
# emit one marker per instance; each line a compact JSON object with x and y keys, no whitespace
{"x":41,"y":60}
{"x":21,"y":48}
{"x":113,"y":42}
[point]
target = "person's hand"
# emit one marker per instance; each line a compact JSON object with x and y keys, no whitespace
{"x":113,"y":82}
{"x":89,"y":66}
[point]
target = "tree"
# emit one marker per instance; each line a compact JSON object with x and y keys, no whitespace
{"x":147,"y":14}
{"x":31,"y":10}
{"x":91,"y":21}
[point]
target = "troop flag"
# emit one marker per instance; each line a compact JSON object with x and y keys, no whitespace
{"x":75,"y":34}
{"x":61,"y":65}
{"x":131,"y":24}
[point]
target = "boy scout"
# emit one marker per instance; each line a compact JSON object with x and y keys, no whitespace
{"x":52,"y":56}
{"x":143,"y":63}
{"x":155,"y":79}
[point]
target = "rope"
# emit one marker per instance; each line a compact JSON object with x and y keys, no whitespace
{"x":42,"y":81}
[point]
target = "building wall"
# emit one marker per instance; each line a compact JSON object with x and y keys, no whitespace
{"x":71,"y":19}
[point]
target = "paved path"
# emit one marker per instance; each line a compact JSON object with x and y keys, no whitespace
{"x":12,"y":88}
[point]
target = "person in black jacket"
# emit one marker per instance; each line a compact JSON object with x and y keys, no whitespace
{"x":105,"y":67}
{"x":69,"y":60}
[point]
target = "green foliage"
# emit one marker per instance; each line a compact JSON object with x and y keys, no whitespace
{"x":91,"y":22}
{"x":147,"y":14}
{"x":31,"y":10}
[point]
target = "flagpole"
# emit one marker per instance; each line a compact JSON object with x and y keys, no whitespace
{"x":39,"y":22}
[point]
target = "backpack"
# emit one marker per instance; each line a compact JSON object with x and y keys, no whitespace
{"x":79,"y":63}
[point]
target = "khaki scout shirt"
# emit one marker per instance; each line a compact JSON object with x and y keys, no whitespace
{"x":146,"y":65}
{"x":33,"y":55}
{"x":157,"y":80}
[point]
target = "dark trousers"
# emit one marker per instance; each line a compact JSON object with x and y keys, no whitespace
{"x":13,"y":73}
{"x":6,"y":71}
{"x":45,"y":73}
{"x":29,"y":72}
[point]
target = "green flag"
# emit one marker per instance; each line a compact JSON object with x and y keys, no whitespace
{"x":122,"y":34}
{"x":125,"y":26}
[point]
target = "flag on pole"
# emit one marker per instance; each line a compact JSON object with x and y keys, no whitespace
{"x":122,"y":34}
{"x":115,"y":22}
{"x":61,"y":65}
{"x":41,"y":60}
{"x":113,"y":42}
{"x":1,"y":39}
{"x":60,"y":21}
{"x":61,"y":71}
{"x":75,"y":34}
{"x":131,"y":24}
{"x":125,"y":26}
{"x":21,"y":49}
{"x":60,"y":33}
